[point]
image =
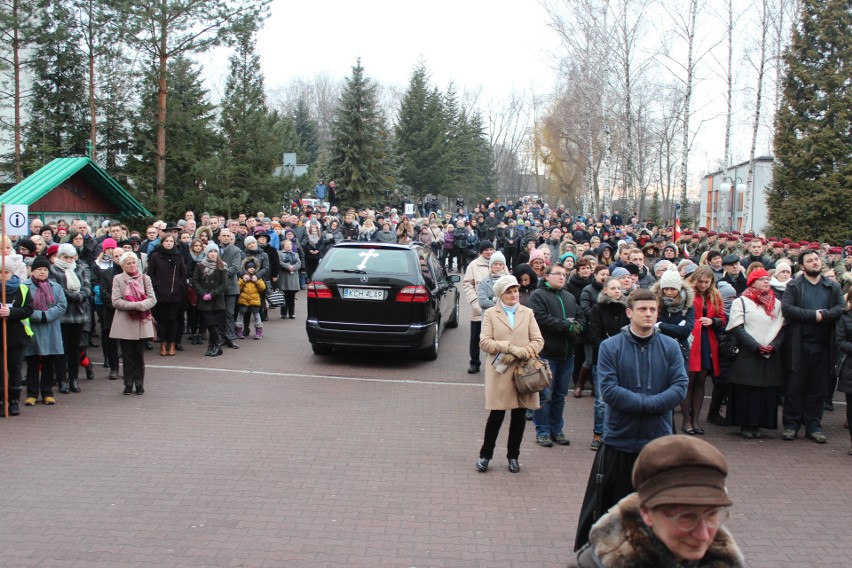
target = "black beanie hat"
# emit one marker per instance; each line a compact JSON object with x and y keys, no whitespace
{"x":40,"y":262}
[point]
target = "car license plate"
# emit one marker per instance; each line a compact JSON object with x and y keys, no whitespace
{"x":363,"y":294}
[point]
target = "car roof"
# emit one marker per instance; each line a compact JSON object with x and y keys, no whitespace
{"x":397,"y":246}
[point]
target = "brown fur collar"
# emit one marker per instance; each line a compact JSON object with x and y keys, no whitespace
{"x":619,"y":540}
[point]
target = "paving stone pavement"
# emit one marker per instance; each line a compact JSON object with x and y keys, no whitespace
{"x":271,"y":456}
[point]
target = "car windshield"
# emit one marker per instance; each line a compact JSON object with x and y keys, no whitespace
{"x":369,"y":261}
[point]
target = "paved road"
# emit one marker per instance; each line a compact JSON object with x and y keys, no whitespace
{"x":271,"y":456}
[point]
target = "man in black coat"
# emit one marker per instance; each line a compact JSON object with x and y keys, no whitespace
{"x":734,"y":273}
{"x":811,"y":306}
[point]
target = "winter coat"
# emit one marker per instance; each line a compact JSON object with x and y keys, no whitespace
{"x":350,"y":231}
{"x":606,"y":320}
{"x":753,"y":328}
{"x":588,"y":299}
{"x":678,"y":321}
{"x":232,"y":257}
{"x":485,"y":291}
{"x":404,"y":233}
{"x":449,"y":241}
{"x":843,"y":336}
{"x":78,"y":302}
{"x":556,"y":312}
{"x":123,"y":326}
{"x":575,"y":285}
{"x":497,"y":334}
{"x":46,"y":325}
{"x":460,"y":238}
{"x":385,"y":236}
{"x":289,"y":280}
{"x":168,"y":275}
{"x":331,"y":237}
{"x":21,"y":309}
{"x":103,"y":277}
{"x":274,"y":262}
{"x":619,"y":540}
{"x":795,"y":316}
{"x":476,"y":272}
{"x":261,"y":262}
{"x":250,"y":291}
{"x":215,"y":283}
{"x":319,"y":247}
{"x":641,"y":384}
{"x":718,"y":317}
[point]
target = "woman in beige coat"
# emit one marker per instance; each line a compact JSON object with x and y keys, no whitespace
{"x":510,"y":331}
{"x":132,"y":297}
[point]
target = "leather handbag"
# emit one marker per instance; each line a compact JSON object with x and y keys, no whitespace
{"x":532,"y":375}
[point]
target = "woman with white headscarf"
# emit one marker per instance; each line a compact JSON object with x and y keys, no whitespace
{"x":74,"y":277}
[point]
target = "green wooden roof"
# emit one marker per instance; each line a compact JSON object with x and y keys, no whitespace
{"x":53,"y":174}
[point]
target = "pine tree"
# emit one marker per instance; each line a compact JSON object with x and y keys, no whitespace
{"x":656,"y":210}
{"x":360,"y":160}
{"x":307,"y":131}
{"x":421,"y":137}
{"x":251,"y":150}
{"x":474,"y":159}
{"x":192,"y":141}
{"x":57,"y":123}
{"x":811,"y":193}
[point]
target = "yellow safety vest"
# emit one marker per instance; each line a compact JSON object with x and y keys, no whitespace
{"x":24,"y":290}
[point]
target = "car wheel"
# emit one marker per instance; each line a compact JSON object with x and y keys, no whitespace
{"x":454,"y":321}
{"x":320,"y":349}
{"x":431,"y":352}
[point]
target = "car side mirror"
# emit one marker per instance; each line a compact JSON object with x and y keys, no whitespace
{"x":454,"y":278}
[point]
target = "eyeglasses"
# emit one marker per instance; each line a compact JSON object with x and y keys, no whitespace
{"x":558,"y":274}
{"x":688,"y":520}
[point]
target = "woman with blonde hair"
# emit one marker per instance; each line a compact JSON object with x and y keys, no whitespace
{"x":704,"y":353}
{"x":133,"y":324}
{"x":510,"y":333}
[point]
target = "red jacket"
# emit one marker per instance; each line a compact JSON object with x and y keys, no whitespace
{"x":718,"y":317}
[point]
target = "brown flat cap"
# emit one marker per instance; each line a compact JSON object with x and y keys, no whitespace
{"x":681,"y":470}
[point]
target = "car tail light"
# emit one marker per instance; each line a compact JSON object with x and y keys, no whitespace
{"x":416,"y":294}
{"x":318,"y":290}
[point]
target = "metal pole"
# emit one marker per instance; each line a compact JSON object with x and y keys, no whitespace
{"x":3,"y":299}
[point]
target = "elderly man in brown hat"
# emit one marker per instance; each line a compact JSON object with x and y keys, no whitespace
{"x":675,"y":516}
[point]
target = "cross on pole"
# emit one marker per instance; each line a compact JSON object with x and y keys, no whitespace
{"x":367,"y":256}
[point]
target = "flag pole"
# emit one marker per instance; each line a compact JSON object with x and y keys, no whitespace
{"x":3,"y":299}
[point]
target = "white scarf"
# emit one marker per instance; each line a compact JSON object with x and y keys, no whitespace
{"x":72,"y":282}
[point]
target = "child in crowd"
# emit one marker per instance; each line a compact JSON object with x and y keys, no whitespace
{"x":251,"y":287}
{"x":210,"y":280}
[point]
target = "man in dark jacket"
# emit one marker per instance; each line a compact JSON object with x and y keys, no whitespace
{"x":755,"y":254}
{"x":556,"y":313}
{"x":642,"y":379}
{"x":734,"y":273}
{"x":811,"y":305}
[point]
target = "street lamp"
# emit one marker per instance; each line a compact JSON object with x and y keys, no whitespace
{"x":728,"y":185}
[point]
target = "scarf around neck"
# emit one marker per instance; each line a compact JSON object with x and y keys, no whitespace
{"x":208,"y":266}
{"x":72,"y":281}
{"x":12,"y":285}
{"x":764,"y":299}
{"x":43,"y":298}
{"x":135,"y":292}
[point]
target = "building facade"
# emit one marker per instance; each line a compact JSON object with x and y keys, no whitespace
{"x":723,"y":198}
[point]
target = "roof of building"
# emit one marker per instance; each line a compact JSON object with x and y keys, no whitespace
{"x":56,"y":172}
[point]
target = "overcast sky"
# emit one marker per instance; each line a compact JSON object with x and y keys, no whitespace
{"x":493,"y":45}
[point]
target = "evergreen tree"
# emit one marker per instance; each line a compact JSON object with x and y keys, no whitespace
{"x":474,"y":169}
{"x":656,"y":210}
{"x":57,"y":123}
{"x":192,"y":141}
{"x":251,"y":148}
{"x":360,"y":160}
{"x":811,"y":193}
{"x":307,"y":131}
{"x":421,"y":137}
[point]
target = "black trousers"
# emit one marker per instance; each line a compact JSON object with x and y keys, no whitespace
{"x":609,"y":482}
{"x":69,"y":368}
{"x":804,"y":399}
{"x":14,"y":363}
{"x":475,"y":331}
{"x":289,"y":305}
{"x":214,"y":323}
{"x":40,"y":374}
{"x":133,"y":353}
{"x":110,"y":346}
{"x":516,"y":433}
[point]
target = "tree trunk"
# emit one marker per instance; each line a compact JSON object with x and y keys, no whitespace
{"x":729,"y":78}
{"x":160,"y":184}
{"x":16,"y":64}
{"x":687,"y":96}
{"x":756,"y":124}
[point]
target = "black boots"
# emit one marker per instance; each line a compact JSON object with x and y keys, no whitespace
{"x":209,"y":351}
{"x":63,"y":387}
{"x":75,"y":386}
{"x":214,"y":349}
{"x":714,"y":415}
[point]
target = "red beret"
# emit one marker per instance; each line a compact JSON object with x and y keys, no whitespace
{"x":755,"y":274}
{"x":786,"y":241}
{"x":732,"y":238}
{"x":702,"y":229}
{"x":813,"y":246}
{"x":777,"y":245}
{"x":747,"y":239}
{"x":52,"y":249}
{"x":804,"y":243}
{"x":711,"y":233}
{"x":723,"y":235}
{"x":736,"y":233}
{"x":835,"y":250}
{"x":795,"y":246}
{"x":773,"y":239}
